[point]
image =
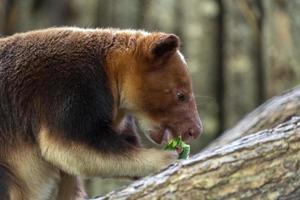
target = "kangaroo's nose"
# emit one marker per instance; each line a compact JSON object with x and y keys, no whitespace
{"x":192,"y":132}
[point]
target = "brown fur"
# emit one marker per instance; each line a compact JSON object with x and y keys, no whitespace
{"x":70,"y":187}
{"x":49,"y":135}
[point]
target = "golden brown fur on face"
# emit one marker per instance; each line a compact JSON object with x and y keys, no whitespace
{"x":151,"y":83}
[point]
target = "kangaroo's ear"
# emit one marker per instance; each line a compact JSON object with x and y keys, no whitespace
{"x":165,"y":45}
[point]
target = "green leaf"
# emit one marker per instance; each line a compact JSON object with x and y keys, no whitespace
{"x":185,"y":152}
{"x":178,"y":143}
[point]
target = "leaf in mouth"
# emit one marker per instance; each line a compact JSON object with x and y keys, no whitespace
{"x":177,"y":143}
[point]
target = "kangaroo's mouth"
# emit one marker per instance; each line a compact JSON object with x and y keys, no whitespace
{"x":162,"y":132}
{"x":157,"y":134}
{"x":161,"y":136}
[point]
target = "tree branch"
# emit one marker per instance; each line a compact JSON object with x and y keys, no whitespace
{"x":268,"y":115}
{"x":265,"y":165}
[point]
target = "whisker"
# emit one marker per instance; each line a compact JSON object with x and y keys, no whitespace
{"x":205,"y":97}
{"x":201,"y":104}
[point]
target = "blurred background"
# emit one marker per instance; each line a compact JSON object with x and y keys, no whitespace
{"x":240,"y":52}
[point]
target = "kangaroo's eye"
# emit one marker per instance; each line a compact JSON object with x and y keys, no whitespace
{"x":181,"y":97}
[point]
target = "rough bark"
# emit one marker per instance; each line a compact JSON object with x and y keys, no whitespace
{"x":265,"y":165}
{"x":268,"y":115}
